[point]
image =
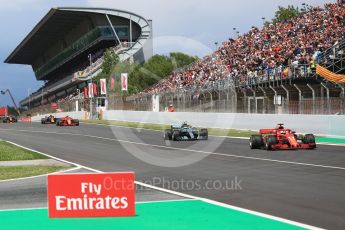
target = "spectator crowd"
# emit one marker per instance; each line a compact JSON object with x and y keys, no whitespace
{"x":275,"y":49}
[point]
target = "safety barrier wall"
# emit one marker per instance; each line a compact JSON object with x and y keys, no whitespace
{"x":328,"y":125}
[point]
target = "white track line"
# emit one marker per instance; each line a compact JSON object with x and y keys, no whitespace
{"x":193,"y":197}
{"x":162,"y":201}
{"x":138,"y":202}
{"x":21,"y":209}
{"x":42,"y":175}
{"x":189,"y":150}
{"x":230,"y":137}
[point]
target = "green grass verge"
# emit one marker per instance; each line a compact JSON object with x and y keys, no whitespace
{"x":211,"y":131}
{"x":12,"y":172}
{"x":9,"y":152}
{"x":178,"y":215}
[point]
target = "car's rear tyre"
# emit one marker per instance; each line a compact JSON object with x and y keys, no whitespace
{"x":176,"y":136}
{"x":255,"y":142}
{"x":203,"y":134}
{"x":310,"y":139}
{"x":167,"y":134}
{"x":270,"y":141}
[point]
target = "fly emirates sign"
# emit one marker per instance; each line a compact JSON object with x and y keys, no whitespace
{"x":91,"y":195}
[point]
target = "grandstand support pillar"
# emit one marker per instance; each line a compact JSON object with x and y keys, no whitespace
{"x":227,"y":100}
{"x":244,"y":101}
{"x":255,"y":102}
{"x":342,"y":99}
{"x":112,"y":27}
{"x":200,"y":102}
{"x":327,"y":95}
{"x":177,"y":103}
{"x":265,"y":98}
{"x":287,"y":98}
{"x":184,"y":101}
{"x":322,"y":95}
{"x":313,"y":96}
{"x":299,"y":99}
{"x":234,"y":100}
{"x":275,"y":96}
{"x":211,"y":97}
{"x":130,"y":30}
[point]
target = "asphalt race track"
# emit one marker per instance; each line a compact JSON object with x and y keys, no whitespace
{"x":306,"y":186}
{"x":32,"y":193}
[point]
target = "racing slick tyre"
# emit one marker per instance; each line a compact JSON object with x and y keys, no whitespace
{"x":203,"y":134}
{"x":270,"y":141}
{"x":176,"y":136}
{"x":76,"y":122}
{"x":256,"y":142}
{"x":167,"y":134}
{"x":310,"y":139}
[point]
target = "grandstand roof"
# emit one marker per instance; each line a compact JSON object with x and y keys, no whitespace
{"x":53,"y":26}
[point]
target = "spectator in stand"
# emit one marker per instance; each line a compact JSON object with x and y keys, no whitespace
{"x":171,"y":108}
{"x":276,"y":49}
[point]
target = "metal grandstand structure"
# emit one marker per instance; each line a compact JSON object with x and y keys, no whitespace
{"x":58,"y":47}
{"x":301,"y":92}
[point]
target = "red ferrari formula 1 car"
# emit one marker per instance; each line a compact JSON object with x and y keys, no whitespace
{"x":281,"y":138}
{"x":67,"y":121}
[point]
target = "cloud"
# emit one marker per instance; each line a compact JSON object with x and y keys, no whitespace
{"x":19,"y":5}
{"x":168,"y":44}
{"x":206,"y":21}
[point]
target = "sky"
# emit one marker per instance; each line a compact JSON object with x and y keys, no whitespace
{"x":190,"y":26}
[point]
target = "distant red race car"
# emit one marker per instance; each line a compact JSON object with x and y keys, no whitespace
{"x":67,"y":121}
{"x":281,"y":138}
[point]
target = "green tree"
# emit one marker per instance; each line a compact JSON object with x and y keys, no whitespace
{"x":110,"y":60}
{"x":285,"y":13}
{"x":133,"y":82}
{"x":141,"y":76}
{"x":13,"y":111}
{"x":159,"y":65}
{"x":181,"y":59}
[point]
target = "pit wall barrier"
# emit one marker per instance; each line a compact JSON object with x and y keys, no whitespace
{"x":26,"y":119}
{"x":325,"y":125}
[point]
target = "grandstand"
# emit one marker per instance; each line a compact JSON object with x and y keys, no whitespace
{"x":268,"y":70}
{"x":65,"y":49}
{"x":295,"y":66}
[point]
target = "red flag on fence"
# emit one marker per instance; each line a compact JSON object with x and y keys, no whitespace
{"x":95,"y":92}
{"x":86,"y":93}
{"x":90,"y":90}
{"x":103,"y":86}
{"x":112,"y":83}
{"x":124,"y":81}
